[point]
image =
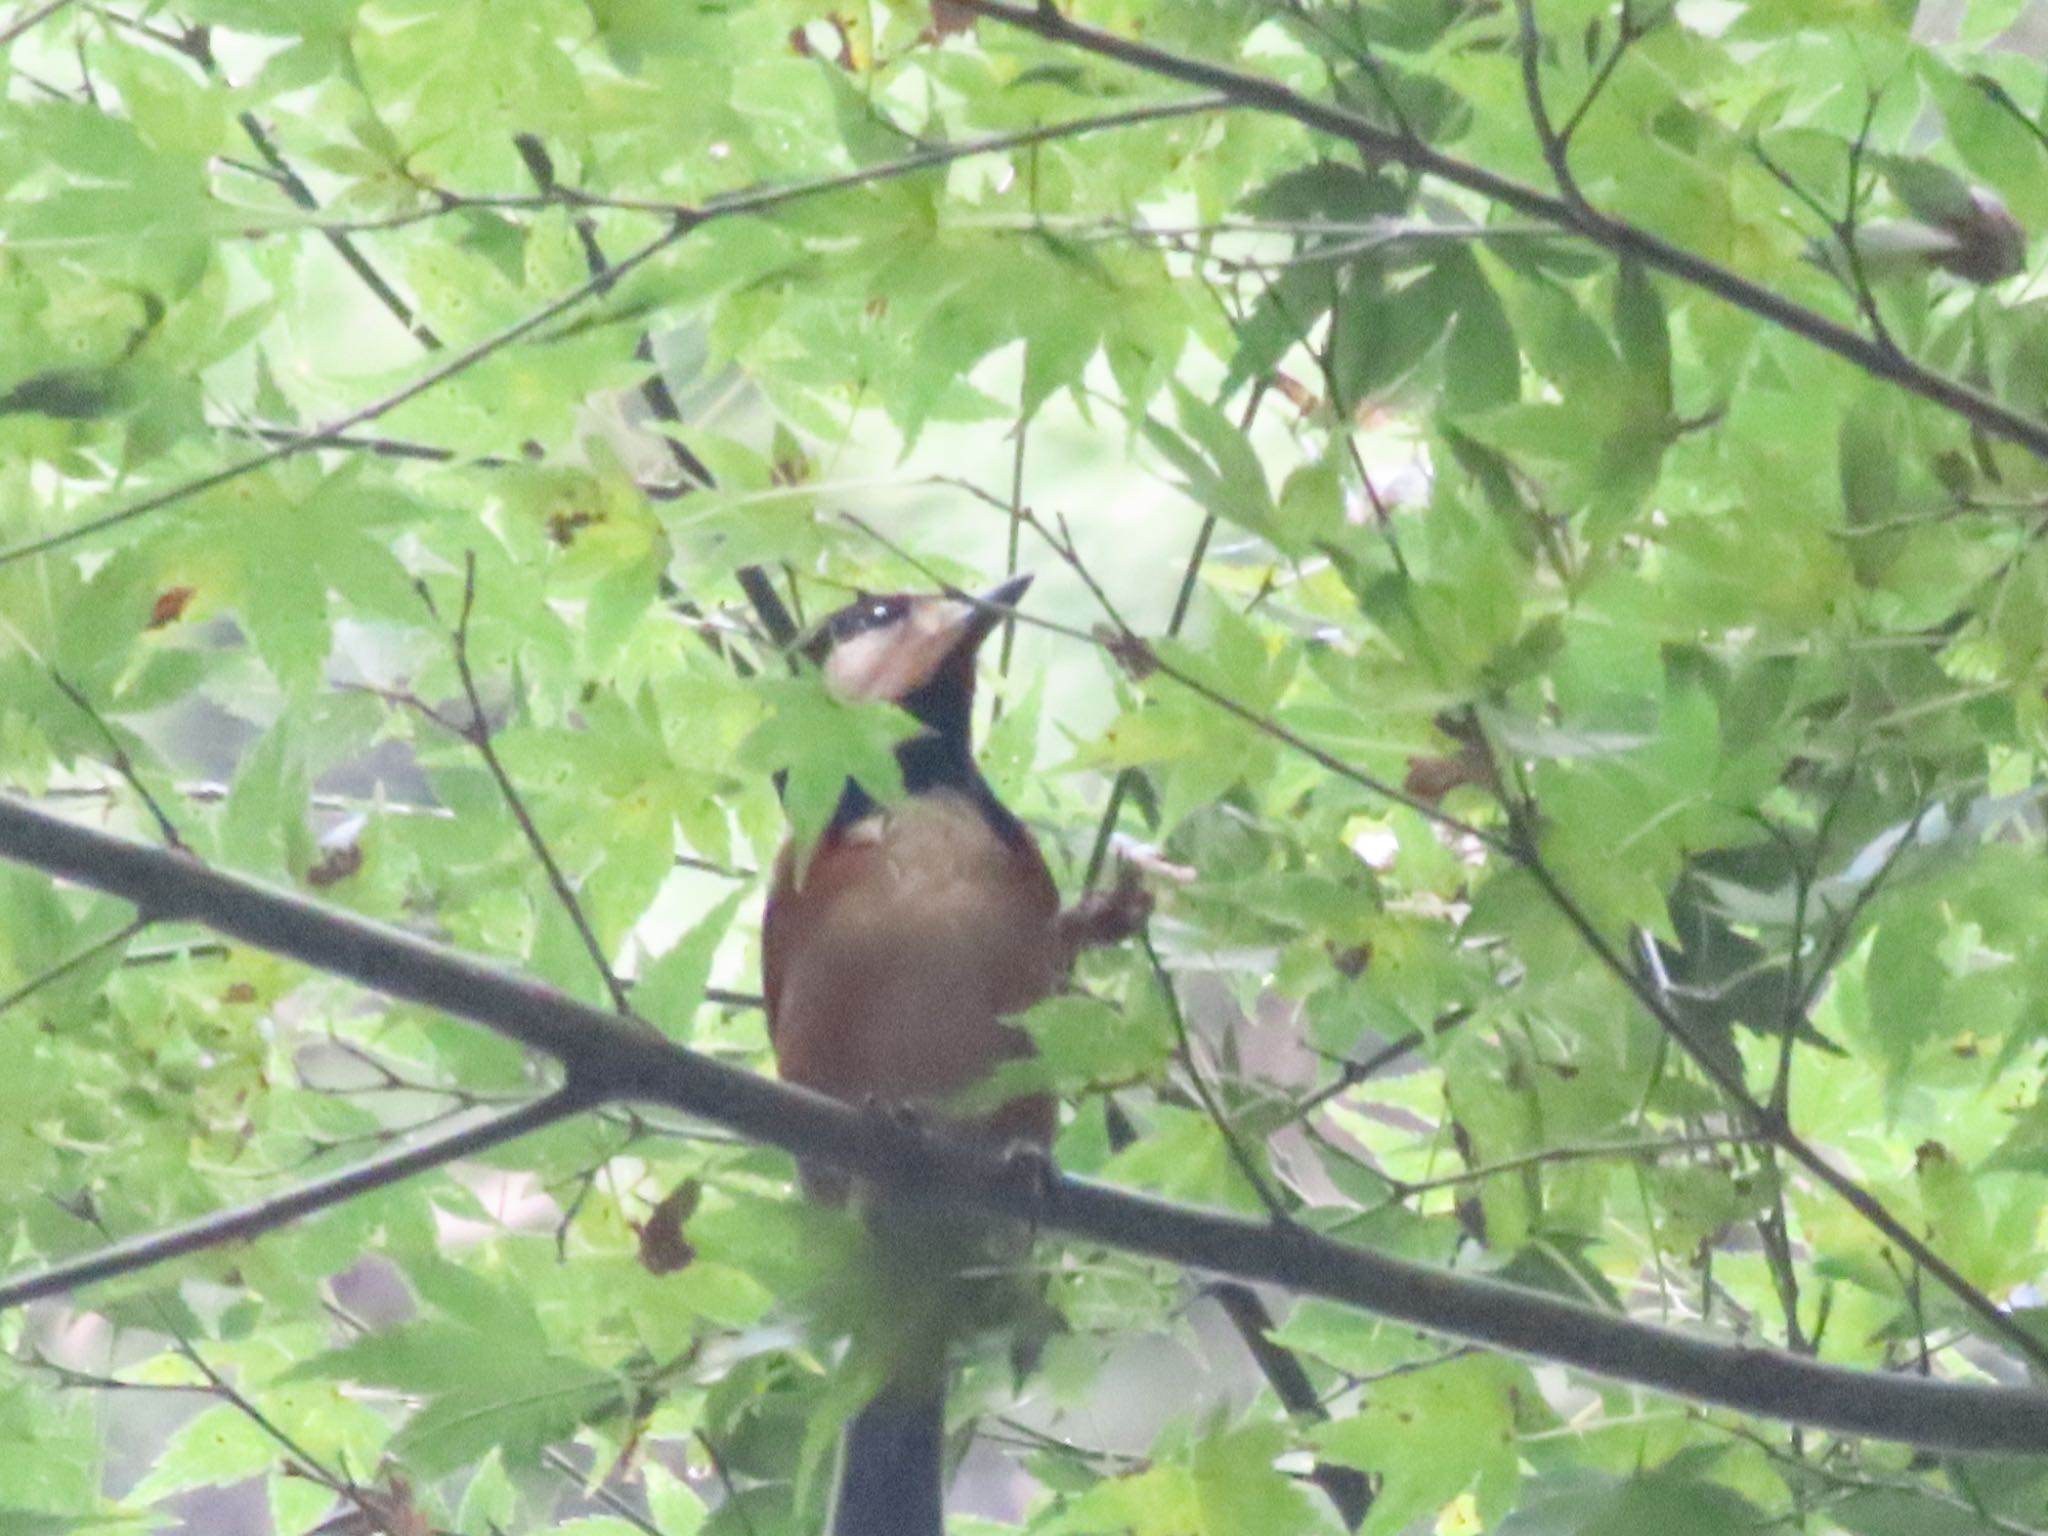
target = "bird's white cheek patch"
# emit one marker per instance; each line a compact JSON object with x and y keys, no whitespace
{"x":892,"y":662}
{"x":858,"y":667}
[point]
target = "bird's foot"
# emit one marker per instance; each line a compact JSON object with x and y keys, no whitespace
{"x":1028,"y":1169}
{"x":1102,"y":918}
{"x":898,"y":1117}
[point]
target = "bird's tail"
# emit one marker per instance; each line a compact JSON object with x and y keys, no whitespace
{"x":890,"y":1471}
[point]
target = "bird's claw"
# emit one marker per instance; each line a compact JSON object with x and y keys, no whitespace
{"x":896,"y":1115}
{"x":1028,"y":1168}
{"x":1105,"y":917}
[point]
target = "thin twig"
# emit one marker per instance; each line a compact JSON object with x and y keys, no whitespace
{"x":72,"y":962}
{"x":1240,"y":1155}
{"x":1622,"y":238}
{"x":1629,"y":32}
{"x":1556,"y":146}
{"x":1352,"y":1073}
{"x":1844,"y":931}
{"x":720,"y":1471}
{"x":1020,"y":435}
{"x":478,"y":734}
{"x":684,"y":220}
{"x":196,"y":46}
{"x":654,"y":388}
{"x":1841,"y":227}
{"x":1644,"y":1147}
{"x":302,"y":1462}
{"x":119,"y":760}
{"x":295,"y":188}
{"x":32,"y":16}
{"x":258,"y":1217}
{"x":1183,"y":601}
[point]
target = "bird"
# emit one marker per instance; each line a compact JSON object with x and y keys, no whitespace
{"x":894,"y":951}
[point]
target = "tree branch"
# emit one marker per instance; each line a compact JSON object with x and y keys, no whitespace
{"x":608,"y":1058}
{"x":71,"y":962}
{"x":684,"y":221}
{"x":1519,"y":846}
{"x":29,"y":17}
{"x":1617,"y":235}
{"x":478,"y":735}
{"x":260,"y":1216}
{"x":344,"y":246}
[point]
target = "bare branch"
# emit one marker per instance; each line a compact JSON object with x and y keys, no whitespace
{"x":1622,"y":238}
{"x":478,"y":735}
{"x":28,"y":17}
{"x":684,"y":220}
{"x":120,"y":761}
{"x":72,"y":962}
{"x":608,"y":1058}
{"x":252,"y":1220}
{"x":1519,"y":845}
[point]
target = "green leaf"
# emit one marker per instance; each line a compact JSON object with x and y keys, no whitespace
{"x":489,"y":1500}
{"x":1983,"y":20}
{"x":1085,"y":1043}
{"x":1432,"y":1435}
{"x":1902,"y":1512}
{"x":1997,"y":149}
{"x":669,"y":990}
{"x":1482,"y":364}
{"x":29,"y":1522}
{"x":674,"y":1504}
{"x":817,"y":743}
{"x":1238,"y":1487}
{"x":1381,"y":334}
{"x":1644,"y":340}
{"x":1905,"y":979}
{"x":222,"y":1445}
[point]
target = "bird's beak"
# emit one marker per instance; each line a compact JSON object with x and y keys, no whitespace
{"x":989,"y":610}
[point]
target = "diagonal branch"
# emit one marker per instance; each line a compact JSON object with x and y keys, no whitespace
{"x":71,"y":962}
{"x":340,"y":240}
{"x":478,"y":735}
{"x":609,"y":1058}
{"x":252,"y":1220}
{"x":452,"y":364}
{"x":684,"y":220}
{"x":1519,"y":845}
{"x":1769,"y":1120}
{"x":28,"y":17}
{"x":1617,"y":235}
{"x":1556,"y":146}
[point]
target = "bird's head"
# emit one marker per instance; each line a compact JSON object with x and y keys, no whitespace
{"x":915,"y":650}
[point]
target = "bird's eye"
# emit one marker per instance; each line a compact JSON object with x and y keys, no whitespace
{"x":866,"y":612}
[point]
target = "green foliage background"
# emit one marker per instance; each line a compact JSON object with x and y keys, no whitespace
{"x":1740,"y":647}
